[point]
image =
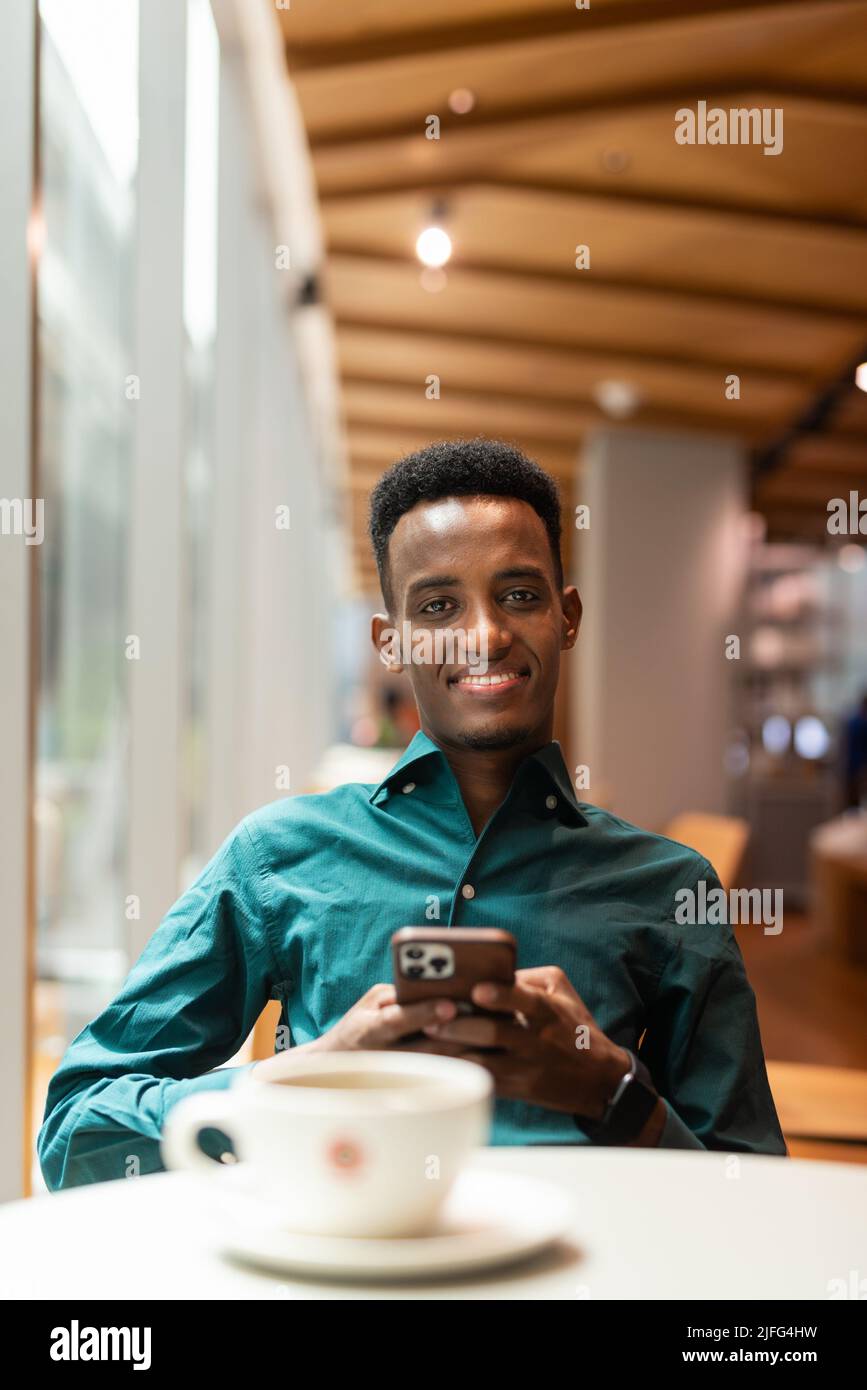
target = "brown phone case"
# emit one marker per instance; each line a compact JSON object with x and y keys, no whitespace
{"x":445,"y":962}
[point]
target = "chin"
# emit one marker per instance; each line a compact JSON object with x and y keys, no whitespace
{"x":493,"y":736}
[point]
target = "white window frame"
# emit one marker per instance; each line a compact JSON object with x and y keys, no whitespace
{"x":157,"y":540}
{"x":18,"y":685}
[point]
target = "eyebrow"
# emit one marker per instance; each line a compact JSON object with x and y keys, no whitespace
{"x":437,"y":581}
{"x":522,"y":572}
{"x":433,"y":581}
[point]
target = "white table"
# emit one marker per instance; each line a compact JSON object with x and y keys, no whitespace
{"x":649,"y":1224}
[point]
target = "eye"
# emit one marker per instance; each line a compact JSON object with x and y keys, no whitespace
{"x":430,"y":608}
{"x":522,"y":595}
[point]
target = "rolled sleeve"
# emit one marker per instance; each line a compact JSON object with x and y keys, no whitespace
{"x":675,"y":1134}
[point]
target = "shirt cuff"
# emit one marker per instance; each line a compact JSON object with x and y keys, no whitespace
{"x":219,"y":1080}
{"x":675,"y":1134}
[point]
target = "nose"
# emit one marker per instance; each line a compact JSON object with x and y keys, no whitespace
{"x":491,"y":635}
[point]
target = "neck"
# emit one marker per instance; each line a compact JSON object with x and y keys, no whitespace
{"x":484,"y":776}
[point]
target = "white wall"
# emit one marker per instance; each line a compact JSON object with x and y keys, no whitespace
{"x":659,"y":571}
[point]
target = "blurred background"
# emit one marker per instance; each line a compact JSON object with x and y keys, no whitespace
{"x":253,"y":252}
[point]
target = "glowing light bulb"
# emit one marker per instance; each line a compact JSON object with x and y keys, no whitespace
{"x":812,"y":739}
{"x":776,"y":734}
{"x":434,"y":246}
{"x":619,"y":399}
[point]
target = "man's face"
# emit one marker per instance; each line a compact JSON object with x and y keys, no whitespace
{"x":483,"y":565}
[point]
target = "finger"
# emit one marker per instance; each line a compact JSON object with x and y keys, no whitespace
{"x":539,"y":975}
{"x":479,"y":1031}
{"x":555,"y":984}
{"x":511,"y":999}
{"x":379,"y":995}
{"x":548,"y":992}
{"x":547,"y":978}
{"x":399,"y":1020}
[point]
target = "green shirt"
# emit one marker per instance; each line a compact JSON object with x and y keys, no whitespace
{"x":299,"y":905}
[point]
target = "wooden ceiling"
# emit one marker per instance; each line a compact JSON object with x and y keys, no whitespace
{"x":705,"y":260}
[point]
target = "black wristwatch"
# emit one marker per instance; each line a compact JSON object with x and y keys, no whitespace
{"x":628,"y":1110}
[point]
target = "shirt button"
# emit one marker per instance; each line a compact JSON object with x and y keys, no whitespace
{"x":468,"y":890}
{"x":410,"y":787}
{"x":550,"y":802}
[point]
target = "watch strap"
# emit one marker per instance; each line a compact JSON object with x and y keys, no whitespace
{"x":628,"y":1110}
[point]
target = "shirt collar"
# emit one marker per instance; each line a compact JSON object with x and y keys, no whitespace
{"x":422,"y":765}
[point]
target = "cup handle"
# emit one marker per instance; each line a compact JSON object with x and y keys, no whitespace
{"x":180,"y":1138}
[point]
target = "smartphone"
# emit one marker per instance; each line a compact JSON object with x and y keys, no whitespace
{"x":446,"y":962}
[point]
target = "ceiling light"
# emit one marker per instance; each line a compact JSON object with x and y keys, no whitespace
{"x":434,"y":246}
{"x":462,"y":101}
{"x":619,"y":399}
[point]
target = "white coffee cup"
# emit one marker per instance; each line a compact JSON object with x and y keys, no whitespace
{"x":347,"y":1143}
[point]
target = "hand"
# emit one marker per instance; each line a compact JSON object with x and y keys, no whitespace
{"x":375,"y":1021}
{"x":551,"y":1051}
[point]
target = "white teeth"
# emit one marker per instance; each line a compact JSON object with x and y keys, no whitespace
{"x":498,"y":678}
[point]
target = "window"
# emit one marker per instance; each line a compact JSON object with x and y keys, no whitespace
{"x":88,"y":142}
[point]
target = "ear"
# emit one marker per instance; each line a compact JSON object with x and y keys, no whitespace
{"x":386,"y":641}
{"x":572,"y":611}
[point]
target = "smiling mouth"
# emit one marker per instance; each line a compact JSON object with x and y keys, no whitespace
{"x":494,"y":683}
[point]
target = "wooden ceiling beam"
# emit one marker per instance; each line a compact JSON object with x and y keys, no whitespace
{"x":712,"y":331}
{"x":794,"y":505}
{"x":468,"y":413}
{"x":641,"y":94}
{"x":383,"y":444}
{"x":832,"y":452}
{"x":375,"y":447}
{"x":544,"y":376}
{"x":709,"y":296}
{"x":592,"y":360}
{"x":437,"y":185}
{"x":563,"y":153}
{"x":799,"y":45}
{"x":785,"y":523}
{"x":850,"y":417}
{"x":537,"y":418}
{"x":798,"y":487}
{"x":404,"y":40}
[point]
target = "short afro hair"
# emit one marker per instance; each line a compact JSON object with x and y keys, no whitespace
{"x":460,"y":468}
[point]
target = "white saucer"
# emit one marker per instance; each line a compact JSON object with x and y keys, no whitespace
{"x":489,"y":1218}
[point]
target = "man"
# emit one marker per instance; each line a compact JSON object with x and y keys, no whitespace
{"x":477,"y":824}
